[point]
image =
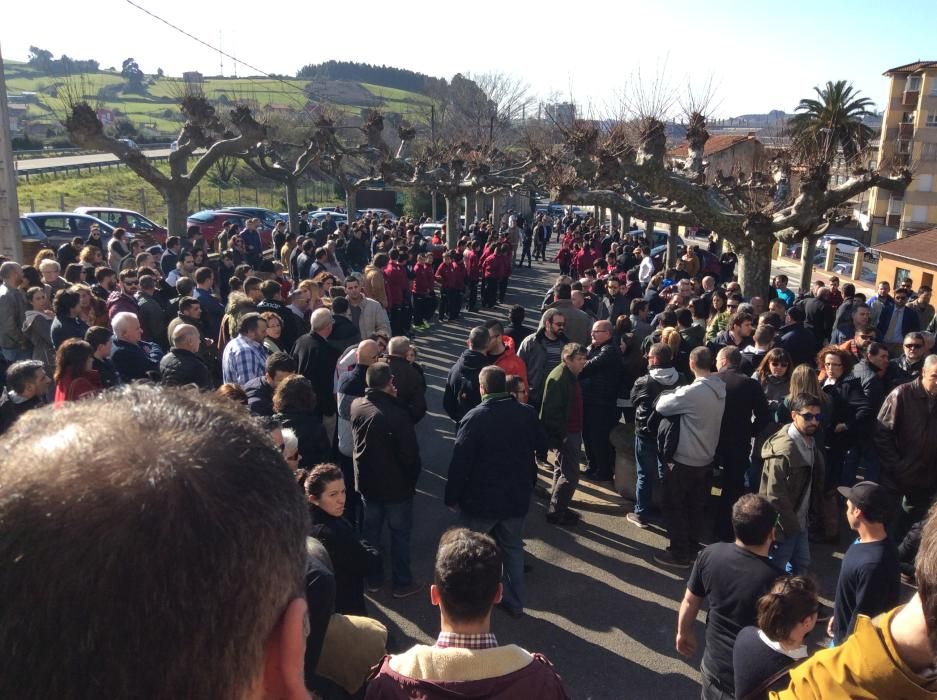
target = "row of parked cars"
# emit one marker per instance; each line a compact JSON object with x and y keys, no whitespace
{"x":54,"y":228}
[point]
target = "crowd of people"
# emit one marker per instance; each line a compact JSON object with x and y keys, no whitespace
{"x":775,"y":418}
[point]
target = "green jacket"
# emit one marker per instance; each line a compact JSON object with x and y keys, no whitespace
{"x":785,"y":477}
{"x":554,"y":410}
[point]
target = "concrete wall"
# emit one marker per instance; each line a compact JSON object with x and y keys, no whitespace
{"x":888,"y":268}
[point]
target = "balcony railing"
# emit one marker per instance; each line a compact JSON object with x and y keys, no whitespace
{"x":910,"y":98}
{"x":902,"y":159}
{"x":905,"y":130}
{"x":892,"y":220}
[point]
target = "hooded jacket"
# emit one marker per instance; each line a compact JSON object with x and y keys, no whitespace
{"x":700,"y":406}
{"x":38,"y":330}
{"x":501,"y":673}
{"x":785,"y":476}
{"x":645,"y":391}
{"x":534,"y":356}
{"x":462,"y":389}
{"x":510,"y":362}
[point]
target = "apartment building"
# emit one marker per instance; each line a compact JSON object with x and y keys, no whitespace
{"x":909,"y":139}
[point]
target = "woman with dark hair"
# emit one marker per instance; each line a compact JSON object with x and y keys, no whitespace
{"x":74,"y":377}
{"x":851,"y":417}
{"x":232,"y":392}
{"x":274,"y":337}
{"x":294,"y":404}
{"x":199,"y":257}
{"x":774,"y":375}
{"x":352,"y":559}
{"x":31,"y":278}
{"x":764,"y":656}
{"x":38,"y":326}
{"x":67,"y":323}
{"x":117,"y":249}
{"x":100,"y":339}
{"x":74,"y":273}
{"x":718,"y":315}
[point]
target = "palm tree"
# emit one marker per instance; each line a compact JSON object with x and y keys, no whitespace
{"x":831,"y":122}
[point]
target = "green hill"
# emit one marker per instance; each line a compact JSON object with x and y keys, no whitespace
{"x":155,"y":116}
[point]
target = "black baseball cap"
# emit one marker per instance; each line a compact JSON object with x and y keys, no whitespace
{"x":872,"y":499}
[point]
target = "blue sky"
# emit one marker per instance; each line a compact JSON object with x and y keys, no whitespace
{"x":759,"y":55}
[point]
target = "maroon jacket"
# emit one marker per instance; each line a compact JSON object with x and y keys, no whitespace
{"x":536,"y":680}
{"x":395,"y":284}
{"x":472,"y":261}
{"x":118,"y":302}
{"x":496,"y":267}
{"x":452,"y":276}
{"x":422,"y":279}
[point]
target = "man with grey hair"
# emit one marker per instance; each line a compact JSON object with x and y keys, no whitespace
{"x":411,"y":385}
{"x":132,"y":358}
{"x":13,"y":342}
{"x":182,"y":365}
{"x":51,"y":273}
{"x":315,"y":360}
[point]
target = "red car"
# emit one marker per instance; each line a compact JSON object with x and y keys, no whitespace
{"x":211,"y":221}
{"x":130,"y":221}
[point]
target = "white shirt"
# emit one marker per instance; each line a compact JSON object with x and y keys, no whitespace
{"x":646,"y":269}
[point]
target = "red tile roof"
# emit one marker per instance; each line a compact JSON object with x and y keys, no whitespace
{"x":912,"y":67}
{"x":713,"y":145}
{"x":919,"y":247}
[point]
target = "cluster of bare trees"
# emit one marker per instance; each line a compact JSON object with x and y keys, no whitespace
{"x":474,"y":142}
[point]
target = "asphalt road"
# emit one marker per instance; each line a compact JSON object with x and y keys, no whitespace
{"x":598,"y":606}
{"x":34,"y":164}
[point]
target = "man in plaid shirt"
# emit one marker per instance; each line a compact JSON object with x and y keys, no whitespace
{"x":244,"y":357}
{"x":466,"y":660}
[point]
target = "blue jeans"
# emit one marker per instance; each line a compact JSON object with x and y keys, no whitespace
{"x":399,"y":517}
{"x":792,"y":556}
{"x":509,"y":534}
{"x":647,"y":467}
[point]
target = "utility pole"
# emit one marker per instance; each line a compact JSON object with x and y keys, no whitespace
{"x":11,"y":245}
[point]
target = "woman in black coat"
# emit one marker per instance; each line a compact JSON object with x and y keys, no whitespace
{"x":352,"y":559}
{"x":294,"y":403}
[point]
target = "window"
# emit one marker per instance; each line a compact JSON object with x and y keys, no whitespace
{"x":924,"y":183}
{"x":904,"y":146}
{"x":932,"y":119}
{"x":907,"y":117}
{"x":933,"y":86}
{"x":894,"y":207}
{"x":929,"y":151}
{"x":919,"y":214}
{"x":900,"y":275}
{"x":927,"y":280}
{"x":914,"y":83}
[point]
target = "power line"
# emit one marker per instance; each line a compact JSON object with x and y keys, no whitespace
{"x":213,"y":48}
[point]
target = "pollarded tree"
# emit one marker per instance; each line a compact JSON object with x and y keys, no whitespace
{"x":203,"y":130}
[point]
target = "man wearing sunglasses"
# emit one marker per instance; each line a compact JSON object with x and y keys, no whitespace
{"x":896,"y":321}
{"x":792,"y":479}
{"x":907,"y":367}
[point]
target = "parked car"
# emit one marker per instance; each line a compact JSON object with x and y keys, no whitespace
{"x":130,"y":143}
{"x":846,"y":246}
{"x":211,"y":221}
{"x":268,"y":217}
{"x":62,"y":226}
{"x":380,"y":214}
{"x":129,"y":220}
{"x":709,"y":263}
{"x":319,"y":216}
{"x":430,"y":230}
{"x":30,"y":231}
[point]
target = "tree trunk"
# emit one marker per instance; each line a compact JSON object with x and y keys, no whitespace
{"x":453,"y":209}
{"x":469,"y":210}
{"x":754,"y":269}
{"x":351,"y":203}
{"x":435,"y":208}
{"x":625,"y":223}
{"x":480,"y":206}
{"x":809,"y":248}
{"x":177,"y":206}
{"x":673,"y":242}
{"x":496,"y":211}
{"x":292,"y":203}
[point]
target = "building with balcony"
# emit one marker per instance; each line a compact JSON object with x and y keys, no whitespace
{"x":908,"y":139}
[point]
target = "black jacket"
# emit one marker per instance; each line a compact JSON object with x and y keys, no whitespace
{"x":493,"y":471}
{"x":132,"y":361}
{"x":345,"y":333}
{"x":462,"y":392}
{"x":386,"y":453}
{"x":644,"y":394}
{"x":746,"y":413}
{"x":315,"y":360}
{"x":153,"y":320}
{"x":180,"y":367}
{"x":352,"y":559}
{"x":288,"y":321}
{"x":900,"y":371}
{"x":800,"y":343}
{"x":259,"y":396}
{"x":851,"y":407}
{"x":10,"y":411}
{"x":411,"y":387}
{"x":819,"y":318}
{"x":601,"y":377}
{"x":314,"y":447}
{"x":873,"y":386}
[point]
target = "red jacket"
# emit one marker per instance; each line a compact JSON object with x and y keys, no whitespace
{"x":422,"y":279}
{"x":395,"y":284}
{"x":472,"y":263}
{"x":585,"y":259}
{"x":496,"y":267}
{"x":452,"y":275}
{"x":73,"y":388}
{"x":509,"y":361}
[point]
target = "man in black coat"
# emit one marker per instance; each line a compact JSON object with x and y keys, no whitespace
{"x":182,"y":365}
{"x":345,"y":332}
{"x":800,"y":343}
{"x":260,"y":390}
{"x":410,"y":383}
{"x":745,"y":416}
{"x":26,"y":386}
{"x":387,"y":466}
{"x":599,"y":382}
{"x":315,"y":360}
{"x":462,"y":393}
{"x":818,"y":315}
{"x":492,"y":474}
{"x":133,"y":358}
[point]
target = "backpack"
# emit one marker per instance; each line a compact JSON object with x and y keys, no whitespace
{"x":463,"y":396}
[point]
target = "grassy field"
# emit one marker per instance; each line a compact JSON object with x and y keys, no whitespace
{"x":119,"y":187}
{"x":157,"y":109}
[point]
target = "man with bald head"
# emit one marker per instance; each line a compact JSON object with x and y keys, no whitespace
{"x":351,"y":385}
{"x":182,"y":365}
{"x":599,"y":381}
{"x":409,"y":380}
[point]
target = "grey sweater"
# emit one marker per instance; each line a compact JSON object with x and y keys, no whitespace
{"x":700,"y":407}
